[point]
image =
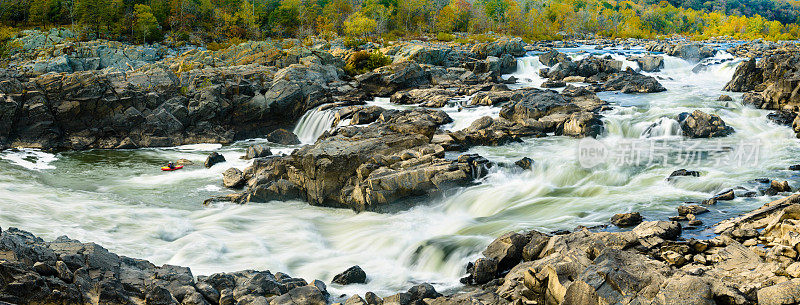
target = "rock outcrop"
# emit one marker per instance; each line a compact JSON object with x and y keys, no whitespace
{"x":754,"y":260}
{"x":699,"y":124}
{"x":770,"y":83}
{"x":159,"y":106}
{"x":387,"y":80}
{"x":528,"y":113}
{"x":365,"y":167}
{"x":648,"y":63}
{"x":605,"y":73}
{"x":691,"y":51}
{"x":66,"y":271}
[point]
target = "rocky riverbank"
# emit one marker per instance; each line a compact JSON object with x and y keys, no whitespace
{"x":63,"y":94}
{"x":753,"y":260}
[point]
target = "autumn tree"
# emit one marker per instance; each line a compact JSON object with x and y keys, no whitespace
{"x":358,"y":25}
{"x":381,"y":11}
{"x":335,"y":14}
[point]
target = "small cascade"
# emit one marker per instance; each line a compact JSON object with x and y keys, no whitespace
{"x":625,"y":62}
{"x":527,"y":73}
{"x":664,"y":127}
{"x":314,"y":123}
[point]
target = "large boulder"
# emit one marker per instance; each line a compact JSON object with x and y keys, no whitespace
{"x":745,"y":78}
{"x":699,"y":124}
{"x":506,"y":250}
{"x":233,"y":178}
{"x":633,"y":83}
{"x":433,"y":97}
{"x":514,"y":47}
{"x":213,"y":159}
{"x":648,"y":63}
{"x":552,"y":58}
{"x":387,"y":80}
{"x":283,"y":136}
{"x":257,"y":151}
{"x":353,"y":275}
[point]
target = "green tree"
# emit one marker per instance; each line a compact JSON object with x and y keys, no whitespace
{"x":381,"y":11}
{"x":40,"y":10}
{"x":285,"y":20}
{"x":246,"y":18}
{"x":94,"y":13}
{"x":146,"y":23}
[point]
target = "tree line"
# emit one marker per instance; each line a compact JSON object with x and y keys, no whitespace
{"x":226,"y":20}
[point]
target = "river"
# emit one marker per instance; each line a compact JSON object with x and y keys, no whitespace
{"x":119,"y":199}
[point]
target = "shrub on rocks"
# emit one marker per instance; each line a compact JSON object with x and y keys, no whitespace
{"x":364,"y":61}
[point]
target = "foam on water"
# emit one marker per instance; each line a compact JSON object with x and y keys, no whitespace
{"x":200,"y":147}
{"x":33,"y":159}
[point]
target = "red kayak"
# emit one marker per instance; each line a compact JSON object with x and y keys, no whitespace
{"x":167,"y":169}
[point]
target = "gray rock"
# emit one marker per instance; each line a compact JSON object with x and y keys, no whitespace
{"x":648,"y":63}
{"x":213,"y":159}
{"x":626,"y":219}
{"x":353,"y":275}
{"x":283,"y":136}
{"x":699,"y":124}
{"x":257,"y":151}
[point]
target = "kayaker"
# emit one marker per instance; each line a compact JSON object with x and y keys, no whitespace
{"x":171,"y":165}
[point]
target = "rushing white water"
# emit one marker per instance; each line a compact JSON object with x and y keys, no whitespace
{"x":121,"y":200}
{"x":313,"y":123}
{"x":527,"y":73}
{"x":664,"y":127}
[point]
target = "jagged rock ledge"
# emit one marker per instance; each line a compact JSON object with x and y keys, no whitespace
{"x":66,"y":271}
{"x":754,"y":260}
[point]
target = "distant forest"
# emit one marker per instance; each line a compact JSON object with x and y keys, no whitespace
{"x":235,"y":20}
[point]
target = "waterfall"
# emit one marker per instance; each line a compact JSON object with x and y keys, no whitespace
{"x":664,"y":127}
{"x":313,"y":123}
{"x":527,"y":73}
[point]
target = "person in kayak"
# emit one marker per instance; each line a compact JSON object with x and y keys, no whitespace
{"x":171,"y":165}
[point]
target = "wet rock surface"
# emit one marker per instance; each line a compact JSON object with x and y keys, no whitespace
{"x":699,"y":124}
{"x":353,"y":275}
